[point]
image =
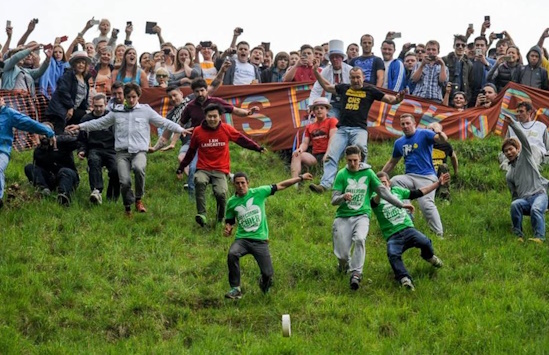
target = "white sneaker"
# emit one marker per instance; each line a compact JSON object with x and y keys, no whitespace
{"x":96,"y":197}
{"x":435,"y":261}
{"x":407,"y":283}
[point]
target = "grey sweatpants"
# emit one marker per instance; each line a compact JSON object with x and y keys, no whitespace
{"x":427,"y":202}
{"x":350,"y":233}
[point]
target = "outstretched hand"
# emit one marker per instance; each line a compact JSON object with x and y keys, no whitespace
{"x":72,"y":128}
{"x":307,"y":176}
{"x":409,"y":207}
{"x":444,"y":179}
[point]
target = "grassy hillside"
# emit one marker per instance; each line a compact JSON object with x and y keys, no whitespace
{"x":86,"y":279}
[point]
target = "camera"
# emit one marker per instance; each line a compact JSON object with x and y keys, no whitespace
{"x":232,"y":51}
{"x":397,"y":35}
{"x":35,"y":20}
{"x":167,"y":51}
{"x":478,"y":52}
{"x":499,"y":35}
{"x":413,"y":45}
{"x":129,"y":23}
{"x":482,"y":92}
{"x":432,"y":58}
{"x":239,"y":30}
{"x":206,"y":44}
{"x":115,"y":31}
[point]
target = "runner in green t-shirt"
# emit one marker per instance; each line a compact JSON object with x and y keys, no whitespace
{"x":398,"y":229}
{"x":247,"y":207}
{"x":352,"y":190}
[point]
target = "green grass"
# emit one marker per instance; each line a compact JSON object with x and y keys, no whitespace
{"x":86,"y":279}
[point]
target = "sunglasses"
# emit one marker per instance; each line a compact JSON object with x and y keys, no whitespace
{"x":420,"y":51}
{"x":462,"y":45}
{"x":161,"y":76}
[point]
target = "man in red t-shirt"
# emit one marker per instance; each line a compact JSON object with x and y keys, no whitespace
{"x":319,"y":134}
{"x":211,"y":141}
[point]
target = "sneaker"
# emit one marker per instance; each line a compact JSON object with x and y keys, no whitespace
{"x":234,"y":294}
{"x":435,"y":261}
{"x":407,"y":283}
{"x":140,"y":207}
{"x":317,"y":188}
{"x":536,"y":240}
{"x":63,"y":200}
{"x":355,"y":281}
{"x":265,"y":285}
{"x":45,"y":192}
{"x":185,"y":187}
{"x":96,"y":197}
{"x":440,"y":236}
{"x":128,"y":210}
{"x":231,"y":177}
{"x":200,"y":219}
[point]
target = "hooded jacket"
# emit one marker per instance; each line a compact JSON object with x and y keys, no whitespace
{"x":533,"y":75}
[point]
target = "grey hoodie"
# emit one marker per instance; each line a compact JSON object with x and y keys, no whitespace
{"x":534,"y":75}
{"x":523,"y":177}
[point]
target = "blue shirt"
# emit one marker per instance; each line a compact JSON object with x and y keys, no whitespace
{"x":10,"y":119}
{"x":369,"y":65}
{"x":417,"y":151}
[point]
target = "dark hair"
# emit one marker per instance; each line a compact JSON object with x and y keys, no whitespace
{"x":528,"y":106}
{"x":214,"y":107}
{"x":306,"y":46}
{"x":129,"y":87}
{"x":171,"y":88}
{"x":481,"y":38}
{"x":241,"y":174}
{"x":353,"y":149}
{"x":389,"y":42}
{"x":244,"y":43}
{"x":460,"y":38}
{"x":117,"y":85}
{"x":199,"y":83}
{"x":381,"y":174}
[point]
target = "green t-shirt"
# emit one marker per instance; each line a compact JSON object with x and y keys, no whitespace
{"x":392,"y":219}
{"x":361,"y":184}
{"x":249,"y":211}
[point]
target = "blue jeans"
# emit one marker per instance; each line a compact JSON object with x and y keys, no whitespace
{"x":4,"y":160}
{"x":192,"y":170}
{"x":344,"y":137}
{"x":401,"y":241}
{"x":534,"y":206}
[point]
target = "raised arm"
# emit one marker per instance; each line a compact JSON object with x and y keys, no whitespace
{"x":287,"y":183}
{"x":542,"y":38}
{"x":27,"y":33}
{"x":9,"y":32}
{"x":321,"y":80}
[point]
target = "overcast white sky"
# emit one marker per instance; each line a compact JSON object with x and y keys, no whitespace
{"x":286,"y":24}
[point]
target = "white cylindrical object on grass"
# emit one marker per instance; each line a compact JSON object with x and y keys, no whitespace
{"x":286,"y":325}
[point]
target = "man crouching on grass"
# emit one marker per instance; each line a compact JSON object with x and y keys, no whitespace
{"x":247,"y":207}
{"x":398,"y":229}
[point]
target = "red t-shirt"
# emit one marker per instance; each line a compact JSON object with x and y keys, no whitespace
{"x":213,"y":146}
{"x":305,"y":74}
{"x":319,"y":134}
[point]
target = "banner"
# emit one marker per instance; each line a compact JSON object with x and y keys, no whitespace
{"x":283,"y":112}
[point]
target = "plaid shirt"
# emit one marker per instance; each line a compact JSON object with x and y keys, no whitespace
{"x":428,"y":86}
